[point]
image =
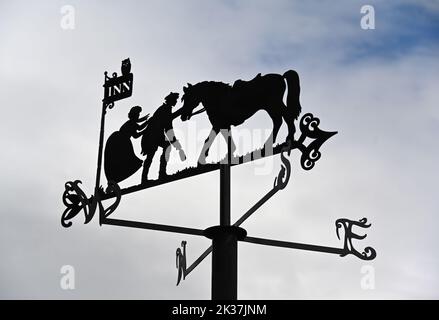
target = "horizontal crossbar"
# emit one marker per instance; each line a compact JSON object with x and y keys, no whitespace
{"x":152,"y":226}
{"x":275,"y":243}
{"x":293,"y":245}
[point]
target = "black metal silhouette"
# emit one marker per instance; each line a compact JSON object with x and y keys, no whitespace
{"x":120,"y":161}
{"x":310,"y":155}
{"x":181,"y":262}
{"x":368,"y":253}
{"x":115,"y":88}
{"x":160,"y":133}
{"x":236,"y":103}
{"x":76,"y":201}
{"x":228,"y":105}
{"x":126,"y":67}
{"x":280,"y":183}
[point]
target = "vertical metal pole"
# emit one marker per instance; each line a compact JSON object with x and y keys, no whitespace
{"x":101,"y":146}
{"x":224,"y":264}
{"x":225,"y":241}
{"x":225,"y":187}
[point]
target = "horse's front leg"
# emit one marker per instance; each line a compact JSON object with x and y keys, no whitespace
{"x":207,"y":144}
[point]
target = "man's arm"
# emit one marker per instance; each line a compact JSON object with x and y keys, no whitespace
{"x":177,"y":113}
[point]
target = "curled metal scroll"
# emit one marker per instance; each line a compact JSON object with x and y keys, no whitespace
{"x":76,"y":201}
{"x":281,"y":181}
{"x":109,"y":105}
{"x":309,"y":126}
{"x":368,"y":253}
{"x":181,"y":262}
{"x":113,"y":187}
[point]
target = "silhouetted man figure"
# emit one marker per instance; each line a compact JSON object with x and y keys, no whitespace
{"x":160,"y":133}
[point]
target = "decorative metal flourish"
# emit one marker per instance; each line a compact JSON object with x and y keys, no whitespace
{"x":181,"y":262}
{"x":281,"y":181}
{"x":309,"y":126}
{"x":114,"y":188}
{"x":76,"y":201}
{"x":108,"y":105}
{"x":368,"y":253}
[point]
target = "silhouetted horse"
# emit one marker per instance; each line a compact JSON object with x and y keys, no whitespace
{"x":231,"y":105}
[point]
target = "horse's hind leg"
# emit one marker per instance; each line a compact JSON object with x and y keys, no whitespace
{"x":289,"y":120}
{"x":276,"y":117}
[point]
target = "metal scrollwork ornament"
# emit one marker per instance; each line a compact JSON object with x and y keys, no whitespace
{"x":281,"y":181}
{"x":309,"y":126}
{"x":181,"y":262}
{"x":76,"y":201}
{"x":368,"y":253}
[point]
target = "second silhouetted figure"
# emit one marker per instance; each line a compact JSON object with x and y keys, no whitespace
{"x":160,"y":133}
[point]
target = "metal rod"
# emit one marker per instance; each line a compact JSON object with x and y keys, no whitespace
{"x":154,"y":183}
{"x":199,"y":260}
{"x":240,"y":221}
{"x":225,"y":241}
{"x":225,"y":191}
{"x":225,"y":195}
{"x":224,"y":264}
{"x":236,"y":224}
{"x":101,"y":145}
{"x":293,"y":245}
{"x":152,"y":226}
{"x":258,"y":204}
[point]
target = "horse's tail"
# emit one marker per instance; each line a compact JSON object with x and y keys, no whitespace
{"x":293,"y":103}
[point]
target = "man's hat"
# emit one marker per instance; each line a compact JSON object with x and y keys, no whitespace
{"x":172,"y":96}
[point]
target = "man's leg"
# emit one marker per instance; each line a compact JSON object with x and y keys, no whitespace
{"x":164,"y":159}
{"x":147,"y":163}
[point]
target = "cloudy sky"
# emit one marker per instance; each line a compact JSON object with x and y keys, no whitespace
{"x":378,"y":88}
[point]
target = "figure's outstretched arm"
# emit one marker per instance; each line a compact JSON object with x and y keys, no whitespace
{"x":177,"y":113}
{"x":143,"y":118}
{"x":142,"y":126}
{"x":139,"y":130}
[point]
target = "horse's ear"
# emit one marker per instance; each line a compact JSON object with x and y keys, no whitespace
{"x":189,"y":85}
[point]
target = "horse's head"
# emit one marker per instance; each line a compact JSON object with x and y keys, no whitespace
{"x":190,"y":101}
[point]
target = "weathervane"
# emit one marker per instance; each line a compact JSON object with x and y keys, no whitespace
{"x":225,"y":105}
